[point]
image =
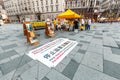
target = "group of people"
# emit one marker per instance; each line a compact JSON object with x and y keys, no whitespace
{"x":67,"y":25}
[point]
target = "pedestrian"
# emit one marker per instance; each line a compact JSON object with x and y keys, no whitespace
{"x":86,"y":25}
{"x":59,"y":25}
{"x":67,"y":24}
{"x":76,"y":26}
{"x":71,"y":25}
{"x":55,"y":24}
{"x":89,"y":24}
{"x":82,"y":22}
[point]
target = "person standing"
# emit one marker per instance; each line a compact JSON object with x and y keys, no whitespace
{"x":71,"y":25}
{"x":55,"y":24}
{"x":89,"y":24}
{"x":76,"y":26}
{"x":86,"y":24}
{"x":82,"y":22}
{"x":59,"y":25}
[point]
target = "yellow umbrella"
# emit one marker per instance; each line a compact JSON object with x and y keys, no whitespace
{"x":68,"y":14}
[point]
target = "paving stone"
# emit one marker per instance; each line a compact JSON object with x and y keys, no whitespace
{"x":32,"y":63}
{"x":60,"y":67}
{"x":109,"y":41}
{"x":3,"y":38}
{"x":19,"y":71}
{"x":93,"y":60}
{"x":72,"y":34}
{"x":108,"y":55}
{"x":30,"y":74}
{"x":8,"y":54}
{"x":112,"y":69}
{"x":66,"y":60}
{"x":105,"y":31}
{"x":109,"y":35}
{"x":81,"y":51}
{"x":1,"y":50}
{"x":4,"y":60}
{"x":98,"y":33}
{"x":7,"y":76}
{"x":82,"y":36}
{"x":86,"y":73}
{"x":9,"y":46}
{"x":45,"y":78}
{"x":80,"y":45}
{"x":115,"y":51}
{"x":13,"y":57}
{"x":38,"y":71}
{"x":54,"y":75}
{"x":13,"y":64}
{"x":1,"y":74}
{"x":97,"y":37}
{"x":78,"y":57}
{"x":97,"y":49}
{"x":75,"y":49}
{"x":70,"y":69}
{"x":84,"y":47}
{"x":21,"y":50}
{"x":97,"y":41}
{"x":84,"y":41}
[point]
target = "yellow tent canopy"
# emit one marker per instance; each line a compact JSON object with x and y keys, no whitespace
{"x":68,"y":14}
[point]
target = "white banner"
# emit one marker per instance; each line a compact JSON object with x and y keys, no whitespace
{"x":53,"y":52}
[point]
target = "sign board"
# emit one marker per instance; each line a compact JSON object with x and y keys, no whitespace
{"x":29,"y":27}
{"x":53,"y":52}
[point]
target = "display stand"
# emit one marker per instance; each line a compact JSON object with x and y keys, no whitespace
{"x":29,"y":33}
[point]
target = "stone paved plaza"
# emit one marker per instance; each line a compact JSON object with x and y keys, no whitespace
{"x":96,"y":57}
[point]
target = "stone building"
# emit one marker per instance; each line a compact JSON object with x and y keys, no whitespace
{"x":18,"y":10}
{"x":110,"y":8}
{"x":88,"y":8}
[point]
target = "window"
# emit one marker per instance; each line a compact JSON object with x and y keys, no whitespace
{"x":47,"y":8}
{"x":37,"y":3}
{"x":42,"y":9}
{"x":68,"y":4}
{"x":46,"y":2}
{"x":83,"y":3}
{"x":78,"y":3}
{"x":51,"y":1}
{"x":97,"y":3}
{"x":56,"y":7}
{"x":51,"y":8}
{"x":73,"y":3}
{"x":56,"y":1}
{"x":42,"y":2}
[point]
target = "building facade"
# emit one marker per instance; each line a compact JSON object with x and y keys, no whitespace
{"x":18,"y":10}
{"x":3,"y":14}
{"x":88,"y":8}
{"x":110,"y":8}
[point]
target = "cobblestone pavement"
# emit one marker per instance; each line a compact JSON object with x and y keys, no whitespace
{"x":96,"y":57}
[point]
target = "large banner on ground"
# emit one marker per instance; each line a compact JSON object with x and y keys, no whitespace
{"x":53,"y":52}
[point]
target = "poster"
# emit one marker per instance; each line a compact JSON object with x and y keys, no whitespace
{"x":29,"y":27}
{"x":53,"y":52}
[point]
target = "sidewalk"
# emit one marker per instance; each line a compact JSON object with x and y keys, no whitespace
{"x":96,"y":57}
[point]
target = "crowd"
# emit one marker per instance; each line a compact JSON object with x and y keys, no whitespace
{"x":68,"y":25}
